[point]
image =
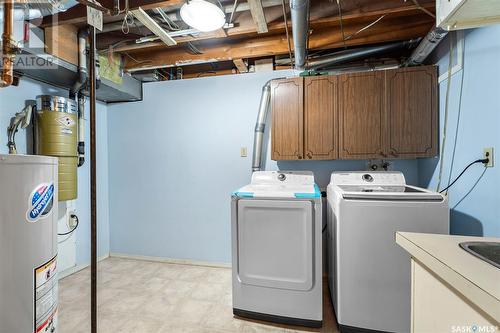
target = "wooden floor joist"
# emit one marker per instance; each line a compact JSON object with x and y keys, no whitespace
{"x":388,"y":30}
{"x":241,"y":65}
{"x":279,"y":27}
{"x":258,"y":15}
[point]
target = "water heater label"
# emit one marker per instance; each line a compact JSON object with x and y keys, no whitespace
{"x":40,"y":202}
{"x":46,"y":292}
{"x":66,"y":121}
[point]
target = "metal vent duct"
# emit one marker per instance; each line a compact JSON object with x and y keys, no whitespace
{"x":300,"y":27}
{"x":426,"y":46}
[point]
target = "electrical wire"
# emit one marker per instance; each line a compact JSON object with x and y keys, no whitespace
{"x":364,"y":28}
{"x":341,"y":23}
{"x":446,"y":108}
{"x":135,"y":60}
{"x":483,"y":160}
{"x":423,"y":9}
{"x":458,"y":114}
{"x":193,"y":48}
{"x":470,"y":190}
{"x":232,"y":11}
{"x":128,"y":20}
{"x":75,"y":217}
{"x":286,"y":30}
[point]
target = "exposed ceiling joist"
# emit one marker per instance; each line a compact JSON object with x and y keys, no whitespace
{"x":78,"y":14}
{"x":241,"y":7}
{"x":389,"y":30}
{"x":241,"y":65}
{"x":153,"y":26}
{"x":321,"y":23}
{"x":258,"y":15}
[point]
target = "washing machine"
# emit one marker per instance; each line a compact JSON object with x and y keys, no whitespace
{"x":368,"y":274}
{"x":276,"y":249}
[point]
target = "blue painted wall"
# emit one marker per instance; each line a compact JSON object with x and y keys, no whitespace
{"x":174,"y":159}
{"x":475,"y":198}
{"x":12,"y":100}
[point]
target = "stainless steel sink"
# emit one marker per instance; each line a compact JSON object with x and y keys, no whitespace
{"x":487,"y":251}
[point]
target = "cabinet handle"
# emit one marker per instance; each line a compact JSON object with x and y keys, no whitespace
{"x":299,"y":156}
{"x":383,"y":154}
{"x":309,"y":155}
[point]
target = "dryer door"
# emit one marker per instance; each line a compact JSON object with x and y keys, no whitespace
{"x":275,"y":243}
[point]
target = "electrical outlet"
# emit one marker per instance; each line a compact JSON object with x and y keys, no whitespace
{"x":488,"y":153}
{"x":71,"y":221}
{"x":243,"y":151}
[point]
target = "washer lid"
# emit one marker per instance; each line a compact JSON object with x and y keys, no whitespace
{"x":390,"y":193}
{"x":280,"y":184}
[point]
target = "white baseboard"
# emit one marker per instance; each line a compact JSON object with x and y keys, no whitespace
{"x":77,"y":268}
{"x":170,"y":260}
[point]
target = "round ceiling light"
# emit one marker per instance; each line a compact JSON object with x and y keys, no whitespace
{"x":202,"y":15}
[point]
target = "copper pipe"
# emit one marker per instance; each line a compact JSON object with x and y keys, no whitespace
{"x":7,"y":47}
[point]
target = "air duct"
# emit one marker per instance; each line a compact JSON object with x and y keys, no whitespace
{"x":300,"y":29}
{"x":260,"y":127}
{"x":426,"y":46}
{"x":357,"y":54}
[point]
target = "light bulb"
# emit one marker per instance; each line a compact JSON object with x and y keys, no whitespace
{"x":203,"y":15}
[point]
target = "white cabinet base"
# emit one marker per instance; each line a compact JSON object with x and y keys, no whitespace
{"x":438,"y":307}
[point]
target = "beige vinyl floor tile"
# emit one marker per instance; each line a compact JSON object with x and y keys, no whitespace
{"x":154,"y":297}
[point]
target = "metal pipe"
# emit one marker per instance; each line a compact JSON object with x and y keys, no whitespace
{"x":81,"y":129}
{"x":8,"y":49}
{"x":356,"y":54}
{"x":300,"y":30}
{"x":93,"y":185}
{"x":260,"y":127}
{"x":426,"y":46}
{"x":76,"y":93}
{"x":22,"y":119}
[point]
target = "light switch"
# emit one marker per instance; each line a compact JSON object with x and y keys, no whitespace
{"x":243,"y":151}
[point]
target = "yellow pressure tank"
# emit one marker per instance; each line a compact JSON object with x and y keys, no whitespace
{"x":56,"y":127}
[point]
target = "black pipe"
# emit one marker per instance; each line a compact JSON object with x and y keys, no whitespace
{"x":93,"y":185}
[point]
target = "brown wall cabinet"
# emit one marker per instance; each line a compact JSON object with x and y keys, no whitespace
{"x":287,"y":137}
{"x":320,"y":117}
{"x":381,"y":114}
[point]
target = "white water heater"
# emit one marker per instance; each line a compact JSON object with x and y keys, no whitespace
{"x":28,"y":244}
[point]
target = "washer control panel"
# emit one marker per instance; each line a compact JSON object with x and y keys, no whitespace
{"x":395,"y":178}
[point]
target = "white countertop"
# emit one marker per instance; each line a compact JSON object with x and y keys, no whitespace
{"x":474,"y":278}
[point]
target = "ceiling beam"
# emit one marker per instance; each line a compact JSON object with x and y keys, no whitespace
{"x":258,"y":15}
{"x":241,"y":65}
{"x":78,"y":14}
{"x":320,"y":23}
{"x":385,"y":31}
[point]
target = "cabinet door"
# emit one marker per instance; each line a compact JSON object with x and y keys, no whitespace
{"x":320,"y":117}
{"x":288,"y":118}
{"x":362,"y":115}
{"x":412,"y":112}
